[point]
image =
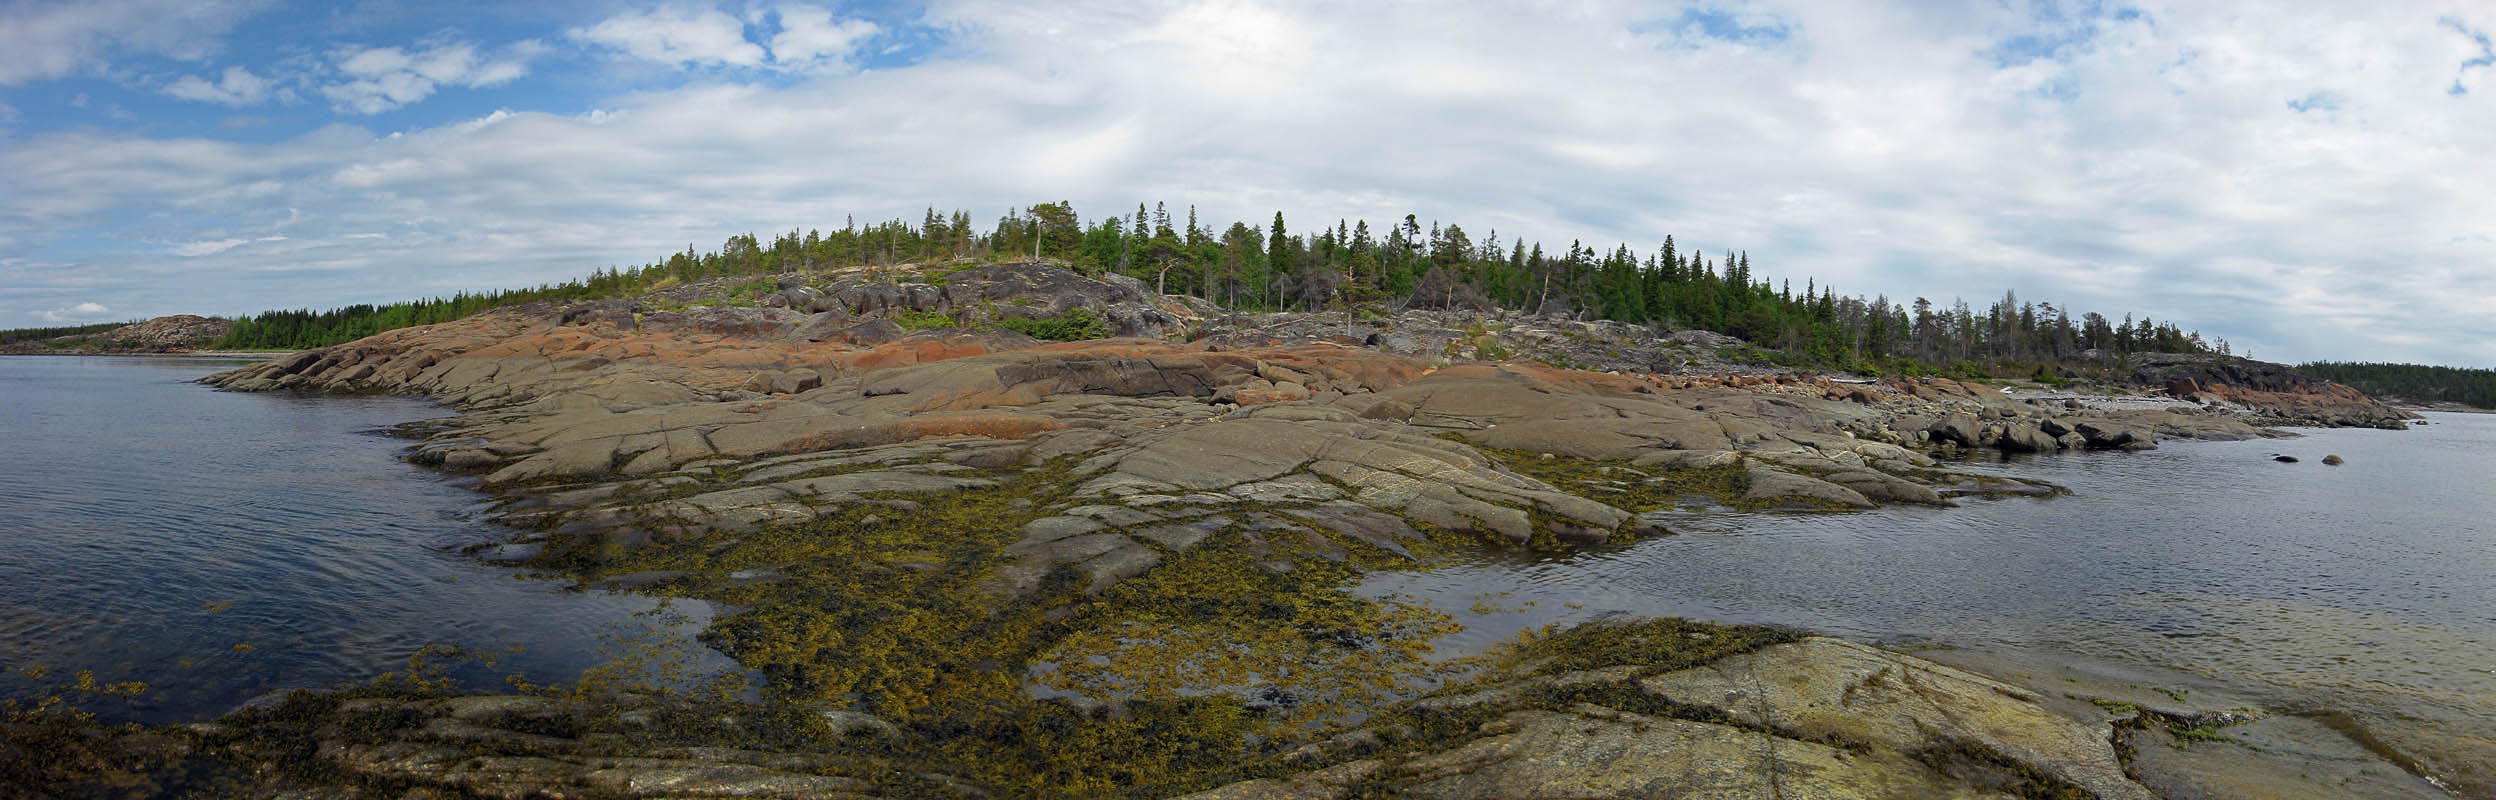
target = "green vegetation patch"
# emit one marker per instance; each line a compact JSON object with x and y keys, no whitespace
{"x":922,"y":320}
{"x":2116,"y":706}
{"x":1077,"y":324}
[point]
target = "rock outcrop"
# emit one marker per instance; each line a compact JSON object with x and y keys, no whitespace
{"x":178,"y":333}
{"x":165,"y":334}
{"x":2277,"y":394}
{"x":1817,"y":718}
{"x":617,"y":420}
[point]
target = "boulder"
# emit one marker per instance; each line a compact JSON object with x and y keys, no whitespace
{"x":2022,"y":437}
{"x":1778,"y":487}
{"x":2111,"y":435}
{"x":1958,"y":429}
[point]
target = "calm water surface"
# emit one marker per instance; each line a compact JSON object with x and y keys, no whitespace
{"x":2368,"y":588}
{"x":218,"y":545}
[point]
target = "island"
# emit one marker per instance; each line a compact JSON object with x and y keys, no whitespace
{"x":1014,"y":530}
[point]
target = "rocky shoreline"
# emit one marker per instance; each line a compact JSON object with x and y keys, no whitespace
{"x":971,"y":562}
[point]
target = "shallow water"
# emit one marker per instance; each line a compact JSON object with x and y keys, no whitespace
{"x":219,"y":545}
{"x":2368,"y":588}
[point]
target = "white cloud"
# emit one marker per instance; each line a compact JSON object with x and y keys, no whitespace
{"x":42,"y":39}
{"x":238,"y":87}
{"x":810,"y":35}
{"x":2150,"y":165}
{"x":209,"y":248}
{"x":676,"y":35}
{"x":82,"y":312}
{"x":373,"y":80}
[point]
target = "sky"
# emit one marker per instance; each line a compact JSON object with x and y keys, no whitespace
{"x":2309,"y":180}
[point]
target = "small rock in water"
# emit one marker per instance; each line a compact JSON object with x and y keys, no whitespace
{"x":513,"y":553}
{"x":2284,"y":459}
{"x":2332,"y":460}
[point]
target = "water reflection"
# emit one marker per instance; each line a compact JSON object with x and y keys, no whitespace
{"x":217,"y":545}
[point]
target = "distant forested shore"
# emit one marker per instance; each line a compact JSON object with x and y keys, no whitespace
{"x":1276,"y":266}
{"x":2416,"y":383}
{"x":16,"y":335}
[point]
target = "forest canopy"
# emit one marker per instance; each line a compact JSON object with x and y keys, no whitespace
{"x":1276,"y":265}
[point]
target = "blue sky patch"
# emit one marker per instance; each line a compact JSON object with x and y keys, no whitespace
{"x":1699,"y":23}
{"x":2059,"y":33}
{"x":2318,"y":101}
{"x":2485,"y":59}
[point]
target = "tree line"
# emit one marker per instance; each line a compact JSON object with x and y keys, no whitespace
{"x":15,"y":335}
{"x":2414,"y":382}
{"x":304,"y":329}
{"x":1276,"y":265}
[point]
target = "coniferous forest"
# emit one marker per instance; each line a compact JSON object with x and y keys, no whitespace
{"x":38,"y":334}
{"x":2413,"y":382}
{"x":1278,"y":266}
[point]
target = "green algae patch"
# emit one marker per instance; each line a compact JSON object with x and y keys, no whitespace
{"x":1221,"y":617}
{"x":1185,"y":676}
{"x":1531,"y":672}
{"x":1974,"y":764}
{"x":877,"y":605}
{"x":1664,"y":644}
{"x":54,"y":741}
{"x":1623,"y":485}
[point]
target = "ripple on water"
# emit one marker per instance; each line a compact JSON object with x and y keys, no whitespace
{"x":218,"y":545}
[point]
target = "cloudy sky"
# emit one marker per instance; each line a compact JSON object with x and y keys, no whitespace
{"x":2306,"y":179}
